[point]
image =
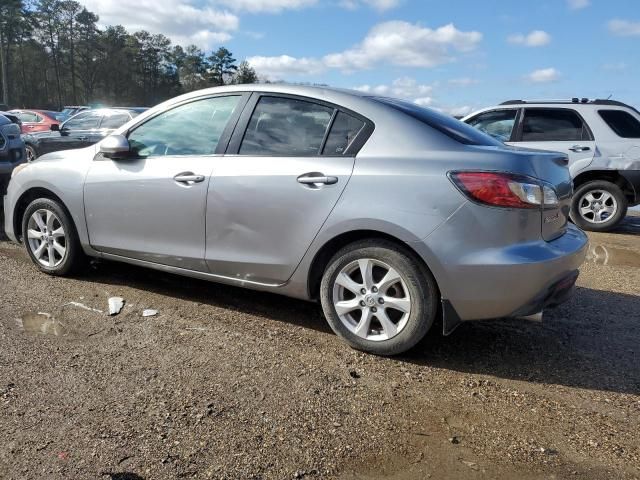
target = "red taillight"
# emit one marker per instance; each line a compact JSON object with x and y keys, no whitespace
{"x":499,"y":189}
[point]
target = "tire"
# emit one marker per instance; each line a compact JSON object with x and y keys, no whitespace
{"x":415,"y":289}
{"x":58,"y":234}
{"x":598,"y":206}
{"x":31,"y":153}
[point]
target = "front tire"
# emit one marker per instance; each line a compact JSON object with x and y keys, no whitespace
{"x":598,"y":206}
{"x":50,"y":237}
{"x":378,"y":298}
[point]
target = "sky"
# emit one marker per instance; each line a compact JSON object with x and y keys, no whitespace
{"x":455,"y":55}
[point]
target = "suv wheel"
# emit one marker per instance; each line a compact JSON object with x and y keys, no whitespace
{"x":598,"y":206}
{"x":50,"y":237}
{"x":377,"y":297}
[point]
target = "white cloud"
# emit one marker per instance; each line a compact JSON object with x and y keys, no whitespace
{"x":284,"y":66}
{"x":424,"y":101}
{"x":179,"y":20}
{"x":462,"y":82}
{"x":403,"y":87}
{"x":544,"y":75}
{"x":271,"y":6}
{"x":536,"y":38}
{"x":578,"y":4}
{"x":461,"y":111}
{"x":624,"y":28}
{"x":380,"y":5}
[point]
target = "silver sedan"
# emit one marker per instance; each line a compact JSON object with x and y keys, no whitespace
{"x":387,"y":213}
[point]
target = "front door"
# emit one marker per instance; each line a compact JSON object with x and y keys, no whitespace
{"x":152,"y":205}
{"x":272,"y":192}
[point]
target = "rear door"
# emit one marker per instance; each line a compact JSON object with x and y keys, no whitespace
{"x":559,"y":130}
{"x":288,"y":162}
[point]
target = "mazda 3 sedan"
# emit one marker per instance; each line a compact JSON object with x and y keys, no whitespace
{"x":387,"y":213}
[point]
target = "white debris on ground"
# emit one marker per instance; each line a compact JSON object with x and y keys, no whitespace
{"x":115,"y":305}
{"x":81,"y":305}
{"x":149,"y":312}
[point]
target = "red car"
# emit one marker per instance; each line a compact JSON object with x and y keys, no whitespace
{"x":36,"y":120}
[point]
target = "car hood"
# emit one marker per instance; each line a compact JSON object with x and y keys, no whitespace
{"x":77,"y":155}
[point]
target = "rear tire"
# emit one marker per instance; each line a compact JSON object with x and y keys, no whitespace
{"x":31,"y":153}
{"x":378,"y":298}
{"x":598,"y":206}
{"x":50,"y":237}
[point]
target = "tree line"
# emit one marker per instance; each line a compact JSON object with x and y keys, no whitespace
{"x":52,"y":53}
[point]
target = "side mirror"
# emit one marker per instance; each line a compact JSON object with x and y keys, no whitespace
{"x":115,"y":146}
{"x":55,"y":127}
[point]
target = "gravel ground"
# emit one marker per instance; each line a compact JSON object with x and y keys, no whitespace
{"x":229,"y":383}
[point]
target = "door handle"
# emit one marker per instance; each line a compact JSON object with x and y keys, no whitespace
{"x":579,"y":148}
{"x":188,"y":178}
{"x":82,"y":138}
{"x":316,"y":179}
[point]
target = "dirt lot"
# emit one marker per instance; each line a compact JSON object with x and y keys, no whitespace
{"x":228,"y":383}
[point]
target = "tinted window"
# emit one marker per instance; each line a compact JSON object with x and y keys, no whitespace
{"x":498,"y":123}
{"x":553,"y":124}
{"x":623,"y":123}
{"x":455,"y":129}
{"x":113,"y":120}
{"x":344,"y":130}
{"x":83,"y":121}
{"x":284,"y":126}
{"x":190,"y":129}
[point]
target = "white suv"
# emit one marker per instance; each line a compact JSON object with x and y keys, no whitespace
{"x":601,"y":139}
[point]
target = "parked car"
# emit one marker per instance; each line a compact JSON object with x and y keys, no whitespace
{"x":36,"y":120}
{"x":384,"y":211}
{"x":82,"y":130}
{"x":71,"y":110}
{"x":601,"y":138}
{"x":11,"y":150}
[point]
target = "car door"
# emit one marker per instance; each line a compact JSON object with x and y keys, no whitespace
{"x":151,"y":205}
{"x":273,"y":190}
{"x":559,"y":130}
{"x":72,"y":133}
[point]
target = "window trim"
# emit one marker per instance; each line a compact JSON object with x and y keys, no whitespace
{"x":516,"y":120}
{"x":243,"y":123}
{"x":523,"y":114}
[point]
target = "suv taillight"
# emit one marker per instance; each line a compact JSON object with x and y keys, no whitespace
{"x":507,"y":190}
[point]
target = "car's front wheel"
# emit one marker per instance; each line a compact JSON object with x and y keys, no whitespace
{"x":378,"y":298}
{"x":50,"y":237}
{"x":598,"y":206}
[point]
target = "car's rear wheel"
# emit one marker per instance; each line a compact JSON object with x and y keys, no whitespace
{"x":378,"y":298}
{"x":31,"y":153}
{"x":50,"y":237}
{"x":598,"y":206}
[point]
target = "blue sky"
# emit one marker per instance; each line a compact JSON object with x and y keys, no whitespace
{"x":456,"y":55}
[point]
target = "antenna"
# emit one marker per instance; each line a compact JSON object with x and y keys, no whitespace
{"x":609,"y":97}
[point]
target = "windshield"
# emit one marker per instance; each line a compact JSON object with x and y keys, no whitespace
{"x":455,"y":129}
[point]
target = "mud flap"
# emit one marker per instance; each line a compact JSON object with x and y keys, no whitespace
{"x":450,"y":318}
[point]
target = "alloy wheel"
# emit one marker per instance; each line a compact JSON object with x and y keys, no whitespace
{"x":46,"y":238}
{"x":371,"y":299}
{"x":597,"y":206}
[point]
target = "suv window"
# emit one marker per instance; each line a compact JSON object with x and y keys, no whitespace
{"x":553,"y":124}
{"x":194,"y":128}
{"x":622,"y":123}
{"x":454,"y":129}
{"x":113,"y":120}
{"x":286,"y":126}
{"x":344,"y":130}
{"x":83,"y":121}
{"x":497,"y":123}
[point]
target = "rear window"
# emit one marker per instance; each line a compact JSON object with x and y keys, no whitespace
{"x":553,"y":125}
{"x":454,"y":129}
{"x":622,"y":123}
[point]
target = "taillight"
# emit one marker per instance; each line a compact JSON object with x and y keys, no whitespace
{"x":507,"y":190}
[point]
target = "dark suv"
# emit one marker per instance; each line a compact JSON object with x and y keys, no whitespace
{"x":82,"y":130}
{"x":11,"y":149}
{"x":601,"y":139}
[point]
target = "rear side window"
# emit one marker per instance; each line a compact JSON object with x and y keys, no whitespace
{"x":497,"y":123}
{"x":344,"y":130}
{"x":553,"y":125}
{"x":83,"y":121}
{"x":622,"y":123}
{"x":455,"y":129}
{"x":114,"y":120}
{"x":286,"y":126}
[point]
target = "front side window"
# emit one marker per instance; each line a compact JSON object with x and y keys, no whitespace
{"x":553,"y":125}
{"x":622,"y":123}
{"x":344,"y":130}
{"x":497,"y":123}
{"x":83,"y":121}
{"x":113,"y":120}
{"x":286,"y":126}
{"x":194,"y":128}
